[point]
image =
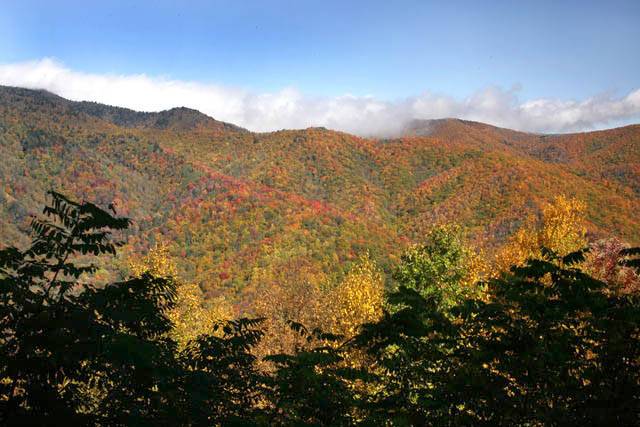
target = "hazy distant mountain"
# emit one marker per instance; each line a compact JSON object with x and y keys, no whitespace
{"x":179,"y":118}
{"x":239,"y":206}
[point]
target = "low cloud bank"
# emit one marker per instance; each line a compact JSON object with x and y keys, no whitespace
{"x":289,"y":108}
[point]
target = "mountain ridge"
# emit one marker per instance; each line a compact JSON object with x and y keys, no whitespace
{"x":239,"y":208}
{"x":113,"y":113}
{"x":177,"y":118}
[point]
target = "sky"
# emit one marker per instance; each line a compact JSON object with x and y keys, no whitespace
{"x":361,"y":66}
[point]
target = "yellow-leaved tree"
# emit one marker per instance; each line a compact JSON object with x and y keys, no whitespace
{"x":358,"y":299}
{"x":287,"y":288}
{"x":192,"y":315}
{"x":560,"y":228}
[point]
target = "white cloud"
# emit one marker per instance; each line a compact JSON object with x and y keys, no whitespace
{"x":289,"y":108}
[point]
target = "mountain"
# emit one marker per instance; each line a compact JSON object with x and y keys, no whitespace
{"x":182,"y":118}
{"x":242,"y":210}
{"x":609,"y":155}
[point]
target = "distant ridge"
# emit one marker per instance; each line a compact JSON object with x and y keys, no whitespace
{"x":426,"y":127}
{"x":178,"y":118}
{"x":184,"y":118}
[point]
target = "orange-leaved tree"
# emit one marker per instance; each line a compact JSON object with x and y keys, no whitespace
{"x":606,"y":261}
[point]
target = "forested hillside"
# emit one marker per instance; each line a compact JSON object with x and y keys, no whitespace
{"x":245,"y":211}
{"x":552,"y":340}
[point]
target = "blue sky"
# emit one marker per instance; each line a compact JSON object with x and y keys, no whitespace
{"x":389,"y":50}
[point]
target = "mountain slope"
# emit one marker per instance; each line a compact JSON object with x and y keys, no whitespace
{"x":244,"y":209}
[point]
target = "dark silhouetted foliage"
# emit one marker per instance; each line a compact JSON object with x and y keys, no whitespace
{"x":545,"y":344}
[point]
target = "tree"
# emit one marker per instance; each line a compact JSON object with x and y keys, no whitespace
{"x":544,"y":344}
{"x":72,"y":351}
{"x":357,"y":299}
{"x":311,"y":386}
{"x":443,"y":267}
{"x":549,"y":347}
{"x":412,"y":363}
{"x":560,"y":228}
{"x":290,"y":291}
{"x":220,"y":382}
{"x":191,"y":315}
{"x":606,"y":261}
{"x":553,"y":347}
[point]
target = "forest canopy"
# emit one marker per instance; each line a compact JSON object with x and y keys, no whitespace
{"x":553,"y":340}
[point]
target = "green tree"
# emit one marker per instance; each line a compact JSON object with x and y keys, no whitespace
{"x":444,"y":267}
{"x":550,"y":347}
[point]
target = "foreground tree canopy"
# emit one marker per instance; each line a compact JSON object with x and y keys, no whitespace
{"x":546,"y":343}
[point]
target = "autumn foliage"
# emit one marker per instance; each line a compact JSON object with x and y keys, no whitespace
{"x":560,"y":228}
{"x":468,"y":275}
{"x":191,"y":315}
{"x":235,"y":206}
{"x":358,"y":298}
{"x":545,"y":343}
